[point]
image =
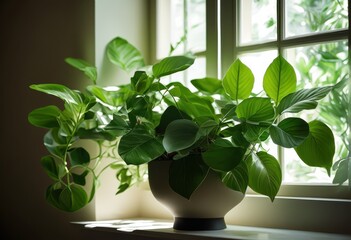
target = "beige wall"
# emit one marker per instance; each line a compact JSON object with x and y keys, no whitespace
{"x":129,"y":20}
{"x":36,"y":37}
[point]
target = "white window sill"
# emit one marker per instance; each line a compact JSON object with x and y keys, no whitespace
{"x":162,"y":229}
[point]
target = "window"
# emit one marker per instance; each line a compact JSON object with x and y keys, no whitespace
{"x":313,"y":35}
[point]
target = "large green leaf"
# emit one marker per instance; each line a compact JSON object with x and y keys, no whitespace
{"x":186,"y":174}
{"x":59,"y":91}
{"x":223,"y":158}
{"x":238,"y":178}
{"x":207,"y":85}
{"x":180,"y":134}
{"x":279,"y":79}
{"x":124,"y":54}
{"x":170,"y":114}
{"x":139,"y":146}
{"x":88,"y":69}
{"x":319,"y":147}
{"x":302,"y":99}
{"x":256,"y":109}
{"x":55,"y":143}
{"x":79,"y":156}
{"x":343,"y":172}
{"x":236,"y":134}
{"x":171,"y":65}
{"x":117,"y":126}
{"x":254,"y":133}
{"x":141,"y":82}
{"x":45,"y":117}
{"x":265,"y":174}
{"x":69,"y":199}
{"x":228,"y":111}
{"x":290,"y":132}
{"x":55,"y":170}
{"x":238,"y":81}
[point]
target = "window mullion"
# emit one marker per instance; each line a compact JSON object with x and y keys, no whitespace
{"x":212,"y":32}
{"x":228,"y":33}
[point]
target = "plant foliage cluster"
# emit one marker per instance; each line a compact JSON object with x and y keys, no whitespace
{"x":220,"y":127}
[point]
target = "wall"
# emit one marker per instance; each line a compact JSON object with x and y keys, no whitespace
{"x":36,"y":36}
{"x":129,"y":20}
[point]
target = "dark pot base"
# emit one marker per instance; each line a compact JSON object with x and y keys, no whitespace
{"x":198,"y":224}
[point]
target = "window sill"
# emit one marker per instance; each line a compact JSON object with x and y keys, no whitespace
{"x":162,"y":229}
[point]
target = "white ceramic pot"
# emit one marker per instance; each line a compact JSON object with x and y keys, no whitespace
{"x":207,"y":206}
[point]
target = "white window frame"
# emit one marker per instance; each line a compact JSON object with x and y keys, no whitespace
{"x":326,"y":206}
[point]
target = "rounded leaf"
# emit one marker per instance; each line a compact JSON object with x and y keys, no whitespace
{"x":180,"y":134}
{"x":290,"y":132}
{"x":223,"y":158}
{"x":45,"y":117}
{"x":279,"y":79}
{"x":238,"y":81}
{"x":256,"y":109}
{"x":186,"y":174}
{"x":265,"y":176}
{"x":319,"y":147}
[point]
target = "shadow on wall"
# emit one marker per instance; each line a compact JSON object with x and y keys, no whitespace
{"x":36,"y":37}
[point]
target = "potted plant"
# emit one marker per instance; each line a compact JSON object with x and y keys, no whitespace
{"x":216,"y":132}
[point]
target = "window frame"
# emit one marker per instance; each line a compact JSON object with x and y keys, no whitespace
{"x":221,"y":50}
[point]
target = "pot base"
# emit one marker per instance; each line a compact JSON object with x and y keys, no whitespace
{"x":198,"y":224}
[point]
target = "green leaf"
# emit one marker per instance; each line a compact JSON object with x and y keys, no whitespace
{"x":186,"y":174}
{"x":207,"y":127}
{"x":117,"y":127}
{"x":180,"y":134}
{"x":238,"y":81}
{"x":59,"y":91}
{"x":319,"y":147}
{"x":190,"y":103}
{"x":79,"y":156}
{"x":279,"y":79}
{"x":170,"y":114}
{"x":256,"y":109}
{"x":69,"y":199}
{"x":265,"y":174}
{"x":254,"y":133}
{"x":123,"y":54}
{"x":45,"y":117}
{"x":88,"y":69}
{"x":139,"y":146}
{"x":141,"y":82}
{"x":80,"y":178}
{"x":290,"y":132}
{"x":207,"y":85}
{"x":238,"y":178}
{"x":54,"y":170}
{"x":55,"y":143}
{"x":171,"y":65}
{"x":343,"y":172}
{"x":223,"y":158}
{"x":302,"y":100}
{"x":237,"y":137}
{"x":228,"y":111}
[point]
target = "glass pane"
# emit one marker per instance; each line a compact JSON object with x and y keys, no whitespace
{"x":196,"y":18}
{"x":258,"y":62}
{"x":177,"y":25}
{"x":320,"y":65}
{"x":181,"y":27}
{"x":257,"y":21}
{"x":197,"y":70}
{"x":311,"y":16}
